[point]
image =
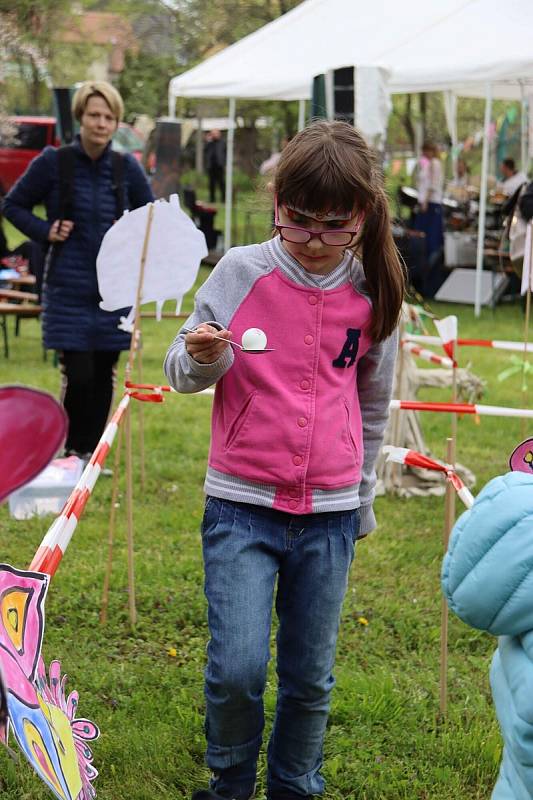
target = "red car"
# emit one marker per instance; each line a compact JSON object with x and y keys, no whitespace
{"x":35,"y":133}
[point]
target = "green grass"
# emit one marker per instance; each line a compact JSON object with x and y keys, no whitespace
{"x":384,"y":740}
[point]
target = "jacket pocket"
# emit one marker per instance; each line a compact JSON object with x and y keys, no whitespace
{"x":239,"y":421}
{"x":349,"y":432}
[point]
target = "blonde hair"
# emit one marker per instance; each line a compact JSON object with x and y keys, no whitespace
{"x":328,"y":166}
{"x":101,"y":89}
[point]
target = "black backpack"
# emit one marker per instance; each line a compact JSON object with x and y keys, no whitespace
{"x":43,"y":253}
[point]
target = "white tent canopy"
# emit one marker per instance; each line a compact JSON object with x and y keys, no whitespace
{"x":453,"y":44}
{"x":465,"y":47}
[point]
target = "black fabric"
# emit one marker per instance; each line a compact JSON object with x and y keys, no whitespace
{"x":117,"y":167}
{"x":89,"y":378}
{"x":526,"y":202}
{"x":217,"y":180}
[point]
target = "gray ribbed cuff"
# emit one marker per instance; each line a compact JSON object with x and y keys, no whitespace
{"x":368,"y":520}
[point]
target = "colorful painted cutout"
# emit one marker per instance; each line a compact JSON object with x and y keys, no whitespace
{"x":41,"y":717}
{"x":521,"y":459}
{"x":22,"y":596}
{"x":4,"y":717}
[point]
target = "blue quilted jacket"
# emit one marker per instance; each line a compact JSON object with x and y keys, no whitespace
{"x":487,"y":577}
{"x":72,"y":319}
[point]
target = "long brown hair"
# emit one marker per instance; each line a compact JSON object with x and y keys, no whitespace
{"x":328,"y":166}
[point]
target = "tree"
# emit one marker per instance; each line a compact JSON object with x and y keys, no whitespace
{"x":17,"y":49}
{"x":144,"y":81}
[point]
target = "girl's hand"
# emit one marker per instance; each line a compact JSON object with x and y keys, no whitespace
{"x":60,"y":230}
{"x":202,"y":345}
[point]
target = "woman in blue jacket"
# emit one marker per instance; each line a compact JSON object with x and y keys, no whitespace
{"x":487,"y":577}
{"x":86,"y":338}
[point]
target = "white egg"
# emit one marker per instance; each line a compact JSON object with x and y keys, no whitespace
{"x":254,"y":339}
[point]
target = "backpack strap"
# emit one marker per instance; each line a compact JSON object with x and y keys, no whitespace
{"x":117,"y":166}
{"x":65,"y":165}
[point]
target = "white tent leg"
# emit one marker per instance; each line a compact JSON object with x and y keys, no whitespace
{"x":450,"y":111}
{"x":199,"y":146}
{"x":229,"y":173}
{"x":301,"y":115}
{"x":524,"y":161}
{"x":172,"y":105}
{"x":483,"y":198}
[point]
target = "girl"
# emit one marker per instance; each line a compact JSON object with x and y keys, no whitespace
{"x":295,"y":434}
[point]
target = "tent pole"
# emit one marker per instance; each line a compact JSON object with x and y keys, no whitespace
{"x":450,"y":109}
{"x":199,"y":143}
{"x":301,"y":114}
{"x":523,"y":129}
{"x":229,"y":173}
{"x":171,"y":105}
{"x":483,"y":198}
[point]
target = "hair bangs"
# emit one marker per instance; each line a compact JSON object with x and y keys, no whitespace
{"x":323,"y":178}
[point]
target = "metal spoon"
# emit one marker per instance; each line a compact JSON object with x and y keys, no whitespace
{"x":235,"y":344}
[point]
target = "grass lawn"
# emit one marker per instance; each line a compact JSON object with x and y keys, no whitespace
{"x":143,"y":687}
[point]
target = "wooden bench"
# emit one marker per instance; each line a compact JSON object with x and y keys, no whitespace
{"x":20,"y":305}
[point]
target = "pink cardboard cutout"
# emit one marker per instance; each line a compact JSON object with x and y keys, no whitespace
{"x":33,"y":426}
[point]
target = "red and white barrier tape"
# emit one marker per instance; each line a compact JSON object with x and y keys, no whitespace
{"x":493,"y":343}
{"x":58,"y":536}
{"x":461,"y":408}
{"x":412,"y":458}
{"x":427,"y":355}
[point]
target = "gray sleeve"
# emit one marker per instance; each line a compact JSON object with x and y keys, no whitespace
{"x":216,"y":302}
{"x":374,"y":383}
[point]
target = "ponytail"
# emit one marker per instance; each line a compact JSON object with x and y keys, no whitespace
{"x":383,"y":268}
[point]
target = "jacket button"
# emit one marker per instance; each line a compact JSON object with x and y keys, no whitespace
{"x":305,"y":385}
{"x":312,"y":299}
{"x":302,"y":422}
{"x":309,"y":339}
{"x":297,"y":460}
{"x":293,"y":493}
{"x":293,"y":504}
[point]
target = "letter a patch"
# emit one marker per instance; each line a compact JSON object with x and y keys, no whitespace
{"x":348,"y":354}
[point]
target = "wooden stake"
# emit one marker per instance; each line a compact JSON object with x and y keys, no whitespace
{"x":129,"y":504}
{"x":141,"y":416}
{"x":137,"y":320}
{"x":135,"y":336}
{"x":449,"y":518}
{"x":111,"y":533}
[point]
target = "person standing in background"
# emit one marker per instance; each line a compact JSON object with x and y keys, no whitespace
{"x":215,"y":164}
{"x":86,"y":338}
{"x":512,"y":178}
{"x":428,"y":218}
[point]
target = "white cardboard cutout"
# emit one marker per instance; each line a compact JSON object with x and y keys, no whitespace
{"x":175,"y":250}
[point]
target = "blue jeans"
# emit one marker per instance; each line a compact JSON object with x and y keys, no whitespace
{"x":245,"y":549}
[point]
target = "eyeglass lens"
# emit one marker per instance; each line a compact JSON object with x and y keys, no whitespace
{"x":302,"y":236}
